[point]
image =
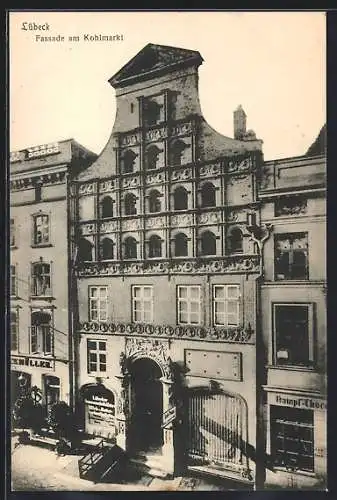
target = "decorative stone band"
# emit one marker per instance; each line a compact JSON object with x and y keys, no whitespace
{"x":229,"y":265}
{"x":44,"y":179}
{"x":240,"y":334}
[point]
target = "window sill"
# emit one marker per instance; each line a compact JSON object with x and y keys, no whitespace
{"x":299,"y":472}
{"x":291,"y":280}
{"x":41,"y":245}
{"x":292,"y":368}
{"x":42,"y":297}
{"x":41,"y":355}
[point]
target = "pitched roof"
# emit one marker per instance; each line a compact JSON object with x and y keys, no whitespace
{"x":152,"y":61}
{"x":318,"y":147}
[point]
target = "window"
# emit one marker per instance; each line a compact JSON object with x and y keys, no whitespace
{"x":98,"y":303}
{"x":106,"y":207}
{"x":180,"y":245}
{"x":226,"y":305}
{"x":142,"y":304}
{"x":176,"y":152}
{"x":128,"y":161}
{"x":130,"y":204}
{"x":154,"y":201}
{"x":41,"y":229}
{"x":51,"y":391}
{"x":180,"y":198}
{"x":96,"y":352}
{"x":292,"y":437}
{"x":208,"y":195}
{"x":290,"y":205}
{"x":41,"y":333}
{"x":155,"y":244}
{"x":107,"y":249}
{"x":152,"y":157}
{"x":38,"y":193}
{"x":13,"y":282}
{"x":291,"y":256}
{"x":189,"y":305}
{"x":235,"y":240}
{"x":85,"y":250}
{"x":12,"y":233}
{"x":293,"y":334}
{"x":41,"y":279}
{"x":130,"y":248}
{"x":14,"y":329}
{"x":208,"y":243}
{"x":152,"y":112}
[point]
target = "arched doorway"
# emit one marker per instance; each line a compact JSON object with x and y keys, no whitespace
{"x":146,"y":406}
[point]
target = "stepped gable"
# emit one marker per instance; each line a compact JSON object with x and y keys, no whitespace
{"x":153,"y":60}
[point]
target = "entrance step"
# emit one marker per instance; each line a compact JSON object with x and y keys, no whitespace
{"x":151,"y":468}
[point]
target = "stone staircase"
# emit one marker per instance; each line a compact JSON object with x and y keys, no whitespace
{"x":152,"y":464}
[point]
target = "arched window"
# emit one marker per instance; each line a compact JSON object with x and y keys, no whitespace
{"x":106,"y":207}
{"x":208,"y":195}
{"x":152,"y":155}
{"x":176,"y":150}
{"x":180,"y":245}
{"x":180,"y":198}
{"x":130,"y":248}
{"x":154,"y":201}
{"x":128,"y":161}
{"x":130,"y":204}
{"x":151,"y":112}
{"x":155,"y":243}
{"x":107,"y":249}
{"x":235,"y":240}
{"x":85,"y":250}
{"x":208,"y":243}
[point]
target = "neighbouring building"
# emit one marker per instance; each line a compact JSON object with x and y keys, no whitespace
{"x":40,"y":322}
{"x":293,"y":310}
{"x":168,"y":262}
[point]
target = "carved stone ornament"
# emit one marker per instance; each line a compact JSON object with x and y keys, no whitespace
{"x":107,"y":186}
{"x":150,"y":348}
{"x":86,"y":189}
{"x":155,"y":178}
{"x":108,"y":227}
{"x":181,"y":174}
{"x":210,"y":170}
{"x":87,"y":229}
{"x":130,"y":182}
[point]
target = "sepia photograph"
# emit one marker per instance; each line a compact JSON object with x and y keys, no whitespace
{"x":167,"y":279}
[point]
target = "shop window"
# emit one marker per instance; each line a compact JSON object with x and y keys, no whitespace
{"x":98,"y":303}
{"x":130,"y":248}
{"x":152,"y":157}
{"x":41,"y":279}
{"x":152,"y":112}
{"x":208,"y":243}
{"x":51,"y":391}
{"x":293,"y":334}
{"x":130,"y":204}
{"x":41,"y":233}
{"x":128,"y":161}
{"x":12,"y":236}
{"x":85,"y":248}
{"x":189,"y":305}
{"x":226,"y":305}
{"x":235,"y":240}
{"x":208,"y":198}
{"x":96,"y":355}
{"x":291,"y":256}
{"x":106,"y":207}
{"x":107,"y":249}
{"x":155,"y":246}
{"x":180,"y":198}
{"x":292,"y":438}
{"x":154,"y":201}
{"x":13,"y":281}
{"x":176,"y":152}
{"x":142,"y":304}
{"x":14,"y":330}
{"x":180,"y":245}
{"x":41,"y":333}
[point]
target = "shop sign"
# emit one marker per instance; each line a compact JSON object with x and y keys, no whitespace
{"x":100,"y":411}
{"x":305,"y":402}
{"x":169,"y":416}
{"x":32,"y":362}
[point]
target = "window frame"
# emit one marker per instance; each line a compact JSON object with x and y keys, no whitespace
{"x":34,"y":229}
{"x":126,"y":245}
{"x":141,"y":299}
{"x":98,"y":299}
{"x":277,"y":253}
{"x":41,"y":336}
{"x":225,"y":301}
{"x":155,"y":245}
{"x":98,"y":362}
{"x":311,"y":335}
{"x":188,"y":312}
{"x":15,"y":311}
{"x":33,"y":275}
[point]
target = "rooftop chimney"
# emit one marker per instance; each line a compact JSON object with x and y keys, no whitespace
{"x":239,"y":123}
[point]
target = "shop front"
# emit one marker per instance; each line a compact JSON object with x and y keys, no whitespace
{"x":297,"y":439}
